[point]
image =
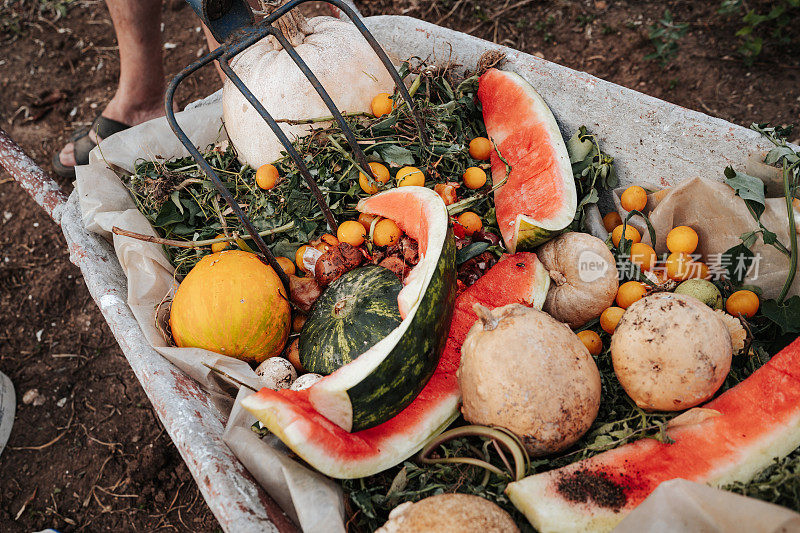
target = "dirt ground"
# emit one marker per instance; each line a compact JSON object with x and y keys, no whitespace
{"x":87,"y":452}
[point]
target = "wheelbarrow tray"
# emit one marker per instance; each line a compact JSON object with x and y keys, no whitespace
{"x":652,"y":142}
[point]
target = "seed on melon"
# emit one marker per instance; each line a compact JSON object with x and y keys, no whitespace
{"x":523,"y":370}
{"x":584,"y":277}
{"x":538,"y":200}
{"x":518,"y":278}
{"x":758,"y":422}
{"x":233,"y":304}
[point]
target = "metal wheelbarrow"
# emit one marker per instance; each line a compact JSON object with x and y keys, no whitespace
{"x":652,"y":141}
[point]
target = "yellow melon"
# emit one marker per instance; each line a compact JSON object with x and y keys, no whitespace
{"x":233,"y":304}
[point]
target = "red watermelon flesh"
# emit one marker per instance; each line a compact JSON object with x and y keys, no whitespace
{"x":519,"y":278}
{"x":759,"y":420}
{"x":539,"y":197}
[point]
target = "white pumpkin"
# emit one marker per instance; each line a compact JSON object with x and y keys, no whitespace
{"x":336,"y":53}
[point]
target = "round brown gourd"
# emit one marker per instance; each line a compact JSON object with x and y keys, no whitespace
{"x":523,"y":370}
{"x":449,"y":513}
{"x":584,"y":277}
{"x":670,"y":352}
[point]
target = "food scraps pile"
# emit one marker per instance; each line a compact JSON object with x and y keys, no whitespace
{"x":450,"y":313}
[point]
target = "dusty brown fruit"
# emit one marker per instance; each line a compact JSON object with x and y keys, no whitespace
{"x":670,"y":352}
{"x":304,"y":292}
{"x":336,"y":262}
{"x":449,"y":513}
{"x":525,"y":371}
{"x":293,"y":354}
{"x":584,"y":275}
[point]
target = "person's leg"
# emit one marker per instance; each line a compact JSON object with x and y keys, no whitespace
{"x":140,"y":94}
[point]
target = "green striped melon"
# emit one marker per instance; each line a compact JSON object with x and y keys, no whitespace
{"x":387,"y":376}
{"x":355,"y":312}
{"x":538,"y":200}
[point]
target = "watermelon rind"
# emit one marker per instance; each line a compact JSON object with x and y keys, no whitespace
{"x":757,"y":422}
{"x":387,"y":377}
{"x":529,"y":232}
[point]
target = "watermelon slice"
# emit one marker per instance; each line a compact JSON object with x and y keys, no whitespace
{"x":386,"y":377}
{"x":750,"y":425}
{"x":519,"y":278}
{"x":539,"y":198}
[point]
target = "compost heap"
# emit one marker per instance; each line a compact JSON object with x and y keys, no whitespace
{"x":471,"y":284}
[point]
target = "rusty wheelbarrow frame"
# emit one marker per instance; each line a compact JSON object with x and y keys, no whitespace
{"x":654,"y":142}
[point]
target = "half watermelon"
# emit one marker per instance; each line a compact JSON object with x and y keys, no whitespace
{"x":733,"y":438}
{"x":290,"y":415}
{"x":538,"y":200}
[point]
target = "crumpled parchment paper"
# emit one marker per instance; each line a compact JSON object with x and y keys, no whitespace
{"x":313,"y":501}
{"x":680,"y":506}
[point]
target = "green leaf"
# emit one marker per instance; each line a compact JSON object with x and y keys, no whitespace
{"x":740,"y":260}
{"x":779,"y":152}
{"x":579,"y":147}
{"x":749,"y":188}
{"x":785,"y":315}
{"x":471,"y":250}
{"x":176,"y":199}
{"x":395,"y":155}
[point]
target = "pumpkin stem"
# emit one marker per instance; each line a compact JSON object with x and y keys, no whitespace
{"x":293,"y":24}
{"x":558,"y":278}
{"x":488,"y":320}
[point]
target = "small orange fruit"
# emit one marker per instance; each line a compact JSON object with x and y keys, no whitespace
{"x":480,"y":148}
{"x":410,"y":176}
{"x":326,"y":242}
{"x":297,"y":322}
{"x":351,"y":232}
{"x":592,"y":341}
{"x":744,"y":303}
{"x":682,"y":239}
{"x":631,"y":233}
{"x":266,"y":176}
{"x":286,"y":265}
{"x":643,"y":255}
{"x":447,"y":192}
{"x":610,"y":318}
{"x":470,"y":221}
{"x":381,"y":174}
{"x":633,"y":198}
{"x":292,"y":353}
{"x":474,"y":178}
{"x":698,"y":270}
{"x":679,"y":266}
{"x":219,"y":246}
{"x":366,"y":220}
{"x":298,"y":258}
{"x":629,"y":292}
{"x":386,"y":233}
{"x":612,"y":220}
{"x":381,"y":104}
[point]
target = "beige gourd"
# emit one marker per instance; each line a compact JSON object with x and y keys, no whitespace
{"x":671,"y":352}
{"x":523,"y":370}
{"x":584,"y":277}
{"x":336,"y":53}
{"x":449,"y":513}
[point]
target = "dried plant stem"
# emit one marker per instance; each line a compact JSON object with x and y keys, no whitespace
{"x":194,"y":244}
{"x":299,"y":121}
